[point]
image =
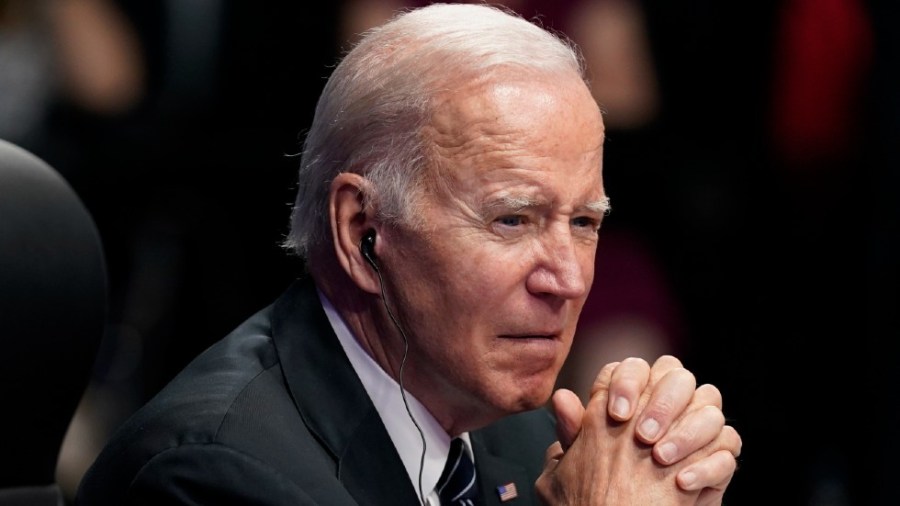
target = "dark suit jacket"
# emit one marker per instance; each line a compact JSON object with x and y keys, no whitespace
{"x":274,"y":414}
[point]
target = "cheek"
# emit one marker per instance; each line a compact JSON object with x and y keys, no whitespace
{"x":587,"y":269}
{"x":488,"y":278}
{"x":473,"y":305}
{"x":586,"y":261}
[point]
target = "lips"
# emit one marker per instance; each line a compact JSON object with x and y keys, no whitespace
{"x":531,"y":352}
{"x":548,"y":335}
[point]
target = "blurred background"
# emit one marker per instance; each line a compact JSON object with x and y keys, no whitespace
{"x":751,"y":158}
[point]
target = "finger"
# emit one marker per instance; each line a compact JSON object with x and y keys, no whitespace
{"x":713,"y":472}
{"x":711,"y":496}
{"x":544,"y":484}
{"x":694,"y":431}
{"x":670,"y":396}
{"x":604,"y":378}
{"x":707,"y":395}
{"x":662,"y":366}
{"x":552,"y":455}
{"x":627,"y":383}
{"x":569,"y":413}
{"x":696,"y":428}
{"x":732,"y":440}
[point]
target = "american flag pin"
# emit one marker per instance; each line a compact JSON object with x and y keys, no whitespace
{"x":507,"y":492}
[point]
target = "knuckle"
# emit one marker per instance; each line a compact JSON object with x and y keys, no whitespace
{"x":734,"y":440}
{"x":667,"y":361}
{"x":714,"y":414}
{"x":683,"y":375}
{"x":604,"y":378}
{"x":662,"y":406}
{"x":636,"y":361}
{"x":711,"y":393}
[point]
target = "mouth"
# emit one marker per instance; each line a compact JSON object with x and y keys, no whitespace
{"x":533,"y":353}
{"x":548,"y":336}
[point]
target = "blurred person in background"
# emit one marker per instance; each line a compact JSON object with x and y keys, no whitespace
{"x":54,"y":53}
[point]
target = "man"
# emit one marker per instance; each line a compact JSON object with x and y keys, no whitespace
{"x":449,"y":204}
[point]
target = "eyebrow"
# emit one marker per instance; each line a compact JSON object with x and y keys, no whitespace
{"x":601,"y":206}
{"x":515,"y":202}
{"x":519,"y":202}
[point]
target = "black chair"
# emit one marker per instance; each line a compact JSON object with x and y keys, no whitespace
{"x":53,"y":307}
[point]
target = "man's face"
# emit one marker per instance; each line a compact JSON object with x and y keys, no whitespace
{"x":489,"y":289}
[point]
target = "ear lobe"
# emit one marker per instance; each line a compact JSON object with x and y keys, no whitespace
{"x":351,"y":219}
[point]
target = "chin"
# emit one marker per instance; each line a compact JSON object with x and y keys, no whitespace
{"x":531,"y":395}
{"x":496,"y":405}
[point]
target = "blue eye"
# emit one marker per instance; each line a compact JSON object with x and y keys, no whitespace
{"x":583,"y":221}
{"x":586,"y":222}
{"x":511,"y":220}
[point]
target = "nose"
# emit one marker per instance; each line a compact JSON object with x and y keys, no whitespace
{"x":559,"y":271}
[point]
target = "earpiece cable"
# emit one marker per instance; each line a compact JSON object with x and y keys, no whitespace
{"x":400,"y":380}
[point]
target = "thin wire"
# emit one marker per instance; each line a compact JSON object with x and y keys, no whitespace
{"x":400,"y":380}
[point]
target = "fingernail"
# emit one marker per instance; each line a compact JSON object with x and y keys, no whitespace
{"x":666,"y":452}
{"x":649,"y":428}
{"x":688,"y":478}
{"x":620,"y":407}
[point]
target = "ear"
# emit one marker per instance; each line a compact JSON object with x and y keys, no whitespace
{"x":351,"y":218}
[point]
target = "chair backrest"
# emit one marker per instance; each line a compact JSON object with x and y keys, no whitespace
{"x":53,"y":308}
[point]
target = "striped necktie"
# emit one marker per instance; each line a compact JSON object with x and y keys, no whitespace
{"x":456,"y":486}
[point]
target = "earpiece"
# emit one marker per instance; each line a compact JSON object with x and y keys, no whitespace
{"x":367,"y":248}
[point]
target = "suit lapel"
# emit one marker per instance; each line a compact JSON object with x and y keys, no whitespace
{"x":333,"y":403}
{"x":494,"y":471}
{"x":512,"y":450}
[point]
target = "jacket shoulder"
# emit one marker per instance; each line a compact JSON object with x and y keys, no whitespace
{"x":230,"y":402}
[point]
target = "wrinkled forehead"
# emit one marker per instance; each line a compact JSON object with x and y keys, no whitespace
{"x":506,"y":117}
{"x":505,"y":96}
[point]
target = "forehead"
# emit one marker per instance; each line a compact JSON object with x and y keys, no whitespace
{"x":510,"y":129}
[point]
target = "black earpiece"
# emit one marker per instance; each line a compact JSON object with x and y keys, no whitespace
{"x":367,"y":248}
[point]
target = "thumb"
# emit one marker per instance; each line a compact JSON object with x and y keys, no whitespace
{"x":569,"y":413}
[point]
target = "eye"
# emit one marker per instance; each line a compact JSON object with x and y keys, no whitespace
{"x":512,"y":220}
{"x":586,"y":222}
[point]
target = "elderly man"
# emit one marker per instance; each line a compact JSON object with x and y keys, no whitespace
{"x":448,"y":212}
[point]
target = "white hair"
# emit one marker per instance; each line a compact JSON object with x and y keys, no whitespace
{"x":370,"y":116}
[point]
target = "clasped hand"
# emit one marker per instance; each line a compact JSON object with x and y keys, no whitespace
{"x":648,"y":435}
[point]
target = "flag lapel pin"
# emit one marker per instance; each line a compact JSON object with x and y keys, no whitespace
{"x":507,"y":492}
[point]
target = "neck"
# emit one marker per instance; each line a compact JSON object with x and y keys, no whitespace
{"x":367,"y":317}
